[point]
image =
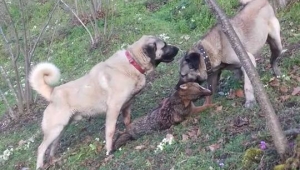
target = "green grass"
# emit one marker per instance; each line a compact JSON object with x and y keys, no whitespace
{"x":130,"y":20}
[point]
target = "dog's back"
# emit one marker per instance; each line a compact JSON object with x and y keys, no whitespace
{"x":252,"y":24}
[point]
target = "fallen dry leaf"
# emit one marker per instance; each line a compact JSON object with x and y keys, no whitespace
{"x":169,"y":136}
{"x":214,"y":147}
{"x":140,"y":147}
{"x":185,"y":137}
{"x":198,"y":132}
{"x":274,"y":82}
{"x":283,"y":89}
{"x":240,"y":121}
{"x":284,"y":98}
{"x":188,"y":151}
{"x":21,"y":142}
{"x":219,"y":108}
{"x":239,"y":93}
{"x":297,"y":78}
{"x":296,"y":91}
{"x":194,"y":132}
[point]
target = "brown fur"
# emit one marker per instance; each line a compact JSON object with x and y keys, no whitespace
{"x":255,"y":24}
{"x":108,"y":87}
{"x":171,"y":111}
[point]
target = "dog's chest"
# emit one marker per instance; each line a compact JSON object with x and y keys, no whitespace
{"x":139,"y":85}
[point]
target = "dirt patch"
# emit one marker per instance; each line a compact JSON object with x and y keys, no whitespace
{"x":7,"y":125}
{"x":88,"y":17}
{"x":154,"y":5}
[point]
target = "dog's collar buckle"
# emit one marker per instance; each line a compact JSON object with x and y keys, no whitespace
{"x":134,"y":63}
{"x":206,"y":59}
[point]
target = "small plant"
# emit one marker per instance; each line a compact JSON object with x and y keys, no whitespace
{"x":252,"y":155}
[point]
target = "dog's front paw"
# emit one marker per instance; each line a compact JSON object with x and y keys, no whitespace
{"x":250,"y":104}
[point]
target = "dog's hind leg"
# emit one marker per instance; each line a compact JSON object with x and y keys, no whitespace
{"x":274,"y":42}
{"x":126,"y":112}
{"x":50,"y":134}
{"x":248,"y":88}
{"x":53,"y":147}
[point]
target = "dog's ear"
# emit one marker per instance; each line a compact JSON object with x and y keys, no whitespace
{"x":193,"y":60}
{"x":150,"y":50}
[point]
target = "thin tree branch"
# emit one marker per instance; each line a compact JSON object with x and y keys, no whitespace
{"x":79,"y":21}
{"x":5,"y":77}
{"x":272,"y":121}
{"x":51,"y":42}
{"x":94,"y":21}
{"x":26,"y":89}
{"x":43,"y":30}
{"x":14,"y":57}
{"x":10,"y":110}
{"x":6,"y":41}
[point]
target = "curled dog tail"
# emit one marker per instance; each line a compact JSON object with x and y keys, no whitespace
{"x":121,"y":140}
{"x":42,"y":77}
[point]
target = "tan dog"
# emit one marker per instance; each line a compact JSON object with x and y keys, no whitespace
{"x":171,"y":111}
{"x":108,"y":88}
{"x":255,"y":24}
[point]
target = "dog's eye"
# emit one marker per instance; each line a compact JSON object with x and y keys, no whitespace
{"x":155,"y":48}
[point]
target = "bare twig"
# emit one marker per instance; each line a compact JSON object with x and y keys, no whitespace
{"x":6,"y":42}
{"x":272,"y":121}
{"x":92,"y":39}
{"x":50,"y":45}
{"x":10,"y":111}
{"x":43,"y":30}
{"x":14,"y":58}
{"x":17,"y":55}
{"x":94,"y":11}
{"x":76,"y":6}
{"x":6,"y":78}
{"x":27,"y":94}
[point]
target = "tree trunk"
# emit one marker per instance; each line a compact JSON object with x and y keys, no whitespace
{"x":272,"y":121}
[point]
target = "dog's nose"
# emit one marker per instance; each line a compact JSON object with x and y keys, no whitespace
{"x":175,"y":49}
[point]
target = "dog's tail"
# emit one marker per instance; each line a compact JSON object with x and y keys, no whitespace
{"x":252,"y":7}
{"x":253,"y":4}
{"x":244,"y":2}
{"x":121,"y":140}
{"x":42,"y":77}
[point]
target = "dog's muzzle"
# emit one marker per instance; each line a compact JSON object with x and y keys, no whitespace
{"x":169,"y":54}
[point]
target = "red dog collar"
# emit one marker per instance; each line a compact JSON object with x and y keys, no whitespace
{"x":134,"y":63}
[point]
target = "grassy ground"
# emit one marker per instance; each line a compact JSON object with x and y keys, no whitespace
{"x":216,"y":139}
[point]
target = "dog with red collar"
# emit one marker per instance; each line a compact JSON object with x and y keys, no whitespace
{"x":108,"y":87}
